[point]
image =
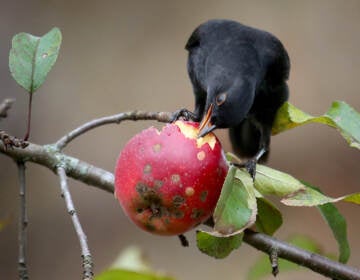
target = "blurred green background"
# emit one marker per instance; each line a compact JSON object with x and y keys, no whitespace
{"x":125,"y":55}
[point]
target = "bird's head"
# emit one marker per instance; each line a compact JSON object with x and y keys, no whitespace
{"x":227,"y":108}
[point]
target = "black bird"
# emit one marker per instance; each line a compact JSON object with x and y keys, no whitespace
{"x":239,"y":76}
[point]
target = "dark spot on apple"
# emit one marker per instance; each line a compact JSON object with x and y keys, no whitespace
{"x":178,"y":201}
{"x":179,"y":214}
{"x":196,"y":213}
{"x":141,"y":188}
{"x":150,"y":227}
{"x":152,"y":198}
{"x":149,"y":196}
{"x":203,"y":196}
{"x":158,"y":184}
{"x":158,"y":211}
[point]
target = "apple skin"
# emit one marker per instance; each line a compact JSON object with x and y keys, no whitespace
{"x":168,"y":181}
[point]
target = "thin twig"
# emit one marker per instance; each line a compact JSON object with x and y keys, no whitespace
{"x":315,"y":262}
{"x":274,"y":261}
{"x":85,"y":251}
{"x":5,"y":106}
{"x":23,"y":222}
{"x":114,"y":119}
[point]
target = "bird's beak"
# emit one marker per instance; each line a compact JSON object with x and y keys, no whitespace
{"x":205,"y":125}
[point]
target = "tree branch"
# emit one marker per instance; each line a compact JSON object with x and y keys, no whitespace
{"x":133,"y":115}
{"x":85,"y":251}
{"x":50,"y":157}
{"x":11,"y":141}
{"x":315,"y":262}
{"x":5,"y":106}
{"x":23,"y":222}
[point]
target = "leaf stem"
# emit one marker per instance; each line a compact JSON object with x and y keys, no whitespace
{"x":183,"y":240}
{"x":27,"y":135}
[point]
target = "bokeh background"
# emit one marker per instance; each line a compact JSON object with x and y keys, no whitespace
{"x":124,"y":55}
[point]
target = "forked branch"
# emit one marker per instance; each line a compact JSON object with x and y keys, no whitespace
{"x":51,"y":157}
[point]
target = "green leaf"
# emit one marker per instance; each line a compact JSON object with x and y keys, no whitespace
{"x":132,"y":258}
{"x":347,"y":121}
{"x":217,"y":247}
{"x":31,"y":58}
{"x":131,"y":265}
{"x":268,"y":218}
{"x":340,"y":116}
{"x":312,"y":197}
{"x":307,"y":197}
{"x":337,"y":224}
{"x":270,"y":181}
{"x":236,"y":208}
{"x":122,"y":274}
{"x":262,"y":267}
{"x":353,"y":198}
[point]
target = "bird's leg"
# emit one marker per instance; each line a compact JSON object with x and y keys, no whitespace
{"x":184,"y":113}
{"x":250,"y":164}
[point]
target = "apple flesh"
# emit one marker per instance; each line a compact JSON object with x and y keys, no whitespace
{"x":169,"y":181}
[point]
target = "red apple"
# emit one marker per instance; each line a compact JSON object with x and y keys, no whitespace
{"x":169,"y":181}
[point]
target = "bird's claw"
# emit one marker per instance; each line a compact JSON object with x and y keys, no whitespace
{"x":250,"y":166}
{"x":183,"y":113}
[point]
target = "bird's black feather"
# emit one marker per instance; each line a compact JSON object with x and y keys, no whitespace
{"x":252,"y":67}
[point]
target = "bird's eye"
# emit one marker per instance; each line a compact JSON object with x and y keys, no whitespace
{"x":220,"y":98}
